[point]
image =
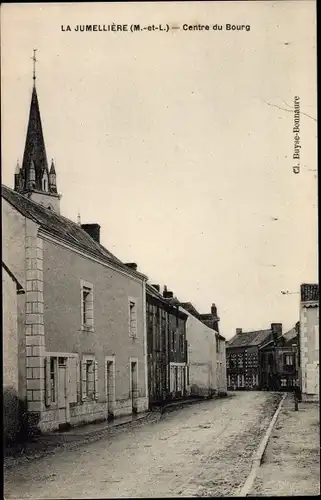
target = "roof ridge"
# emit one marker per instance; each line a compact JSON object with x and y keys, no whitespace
{"x":49,"y":221}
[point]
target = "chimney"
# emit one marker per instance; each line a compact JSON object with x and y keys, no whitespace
{"x":238,"y":331}
{"x":93,"y":230}
{"x":157,"y":287}
{"x":276,"y":331}
{"x":167,"y":294}
{"x":132,"y":265}
{"x":214,"y":310}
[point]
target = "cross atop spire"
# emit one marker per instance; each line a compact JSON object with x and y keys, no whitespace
{"x":34,"y":59}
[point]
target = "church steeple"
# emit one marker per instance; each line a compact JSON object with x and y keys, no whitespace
{"x":34,"y":179}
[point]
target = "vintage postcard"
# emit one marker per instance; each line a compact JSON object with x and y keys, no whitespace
{"x":159,"y":249}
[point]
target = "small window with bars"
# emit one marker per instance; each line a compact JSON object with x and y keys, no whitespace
{"x":87,"y":305}
{"x":132,"y":318}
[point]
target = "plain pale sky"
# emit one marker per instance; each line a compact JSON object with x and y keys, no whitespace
{"x":170,"y":142}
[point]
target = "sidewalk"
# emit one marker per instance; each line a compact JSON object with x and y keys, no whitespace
{"x":291,"y":463}
{"x":51,"y":442}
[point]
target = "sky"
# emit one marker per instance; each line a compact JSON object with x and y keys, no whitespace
{"x":179,"y":143}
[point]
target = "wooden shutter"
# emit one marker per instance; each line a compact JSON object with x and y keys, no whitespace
{"x":72,"y":380}
{"x":47,"y":381}
{"x":83,"y":380}
{"x":96,"y":393}
{"x":78,"y":379}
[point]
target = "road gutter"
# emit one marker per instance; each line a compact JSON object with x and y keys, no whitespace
{"x":258,"y":455}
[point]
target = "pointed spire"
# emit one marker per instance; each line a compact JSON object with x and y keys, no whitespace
{"x":35,"y":145}
{"x":52,"y":168}
{"x":78,"y":219}
{"x":17,"y":171}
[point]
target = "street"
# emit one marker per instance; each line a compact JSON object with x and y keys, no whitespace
{"x":202,"y":450}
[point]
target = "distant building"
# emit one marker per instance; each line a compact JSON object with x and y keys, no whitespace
{"x":278,"y":361}
{"x":166,"y":346}
{"x":309,"y":341}
{"x":206,"y":353}
{"x":243,"y":357}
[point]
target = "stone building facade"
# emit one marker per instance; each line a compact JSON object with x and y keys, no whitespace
{"x":206,"y":353}
{"x":11,"y":303}
{"x":243,"y":357}
{"x":82,"y":347}
{"x":166,"y":346}
{"x":278,"y":361}
{"x":309,"y":342}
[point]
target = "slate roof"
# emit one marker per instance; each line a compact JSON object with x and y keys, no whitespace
{"x":206,"y":319}
{"x":63,"y":229}
{"x":188,"y":306}
{"x":35,"y":150}
{"x":287,"y":337}
{"x":254,"y":338}
{"x":291,"y":334}
{"x":309,"y":292}
{"x":150,"y":290}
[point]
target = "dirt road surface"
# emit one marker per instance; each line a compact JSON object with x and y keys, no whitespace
{"x":201,"y":450}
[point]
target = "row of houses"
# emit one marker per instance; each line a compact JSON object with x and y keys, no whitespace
{"x":276,"y":361}
{"x":86,"y":337}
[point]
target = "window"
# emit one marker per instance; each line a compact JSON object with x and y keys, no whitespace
{"x":288,"y":359}
{"x":240,"y":361}
{"x":173,"y":340}
{"x":89,"y":378}
{"x":181,"y":343}
{"x":53,"y":380}
{"x":132,"y":319}
{"x":163,"y":330}
{"x":187,"y":374}
{"x":217,"y":346}
{"x":87,"y":305}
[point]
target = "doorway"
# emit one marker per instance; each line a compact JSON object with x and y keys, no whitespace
{"x":110,"y":388}
{"x":62,"y":392}
{"x":134,"y":385}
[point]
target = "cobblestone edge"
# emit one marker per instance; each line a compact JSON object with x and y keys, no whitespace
{"x":258,"y":455}
{"x":26,"y":455}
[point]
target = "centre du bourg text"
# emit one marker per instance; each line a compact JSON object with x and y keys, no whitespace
{"x":132,"y":28}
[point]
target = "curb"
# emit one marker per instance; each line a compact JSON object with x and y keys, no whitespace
{"x":78,"y":441}
{"x":258,"y":455}
{"x":180,"y":404}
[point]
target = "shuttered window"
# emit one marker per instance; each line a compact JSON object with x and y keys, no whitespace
{"x":89,"y":379}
